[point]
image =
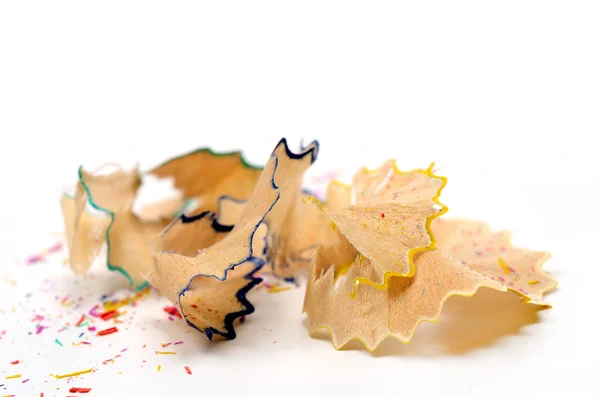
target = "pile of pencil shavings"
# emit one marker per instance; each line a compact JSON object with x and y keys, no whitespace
{"x":381,"y":258}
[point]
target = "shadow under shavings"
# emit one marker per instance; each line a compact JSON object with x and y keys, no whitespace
{"x":465,"y":324}
{"x":96,"y":282}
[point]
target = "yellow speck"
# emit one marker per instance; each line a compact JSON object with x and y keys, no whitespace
{"x":504,"y":266}
{"x":278,"y":289}
{"x":120,"y":373}
{"x":158,"y":368}
{"x":85,"y":371}
{"x":165,"y":353}
{"x":533,"y":282}
{"x":14,"y":376}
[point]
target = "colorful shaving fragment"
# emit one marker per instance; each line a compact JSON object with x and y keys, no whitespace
{"x":172,"y":310}
{"x":273,"y":289}
{"x":107,"y":331}
{"x":80,"y":321}
{"x":504,"y":266}
{"x":77,"y":373}
{"x":109,"y":315}
{"x":131,"y":300}
{"x":56,"y":247}
{"x":188,"y":370}
{"x":80,"y":390}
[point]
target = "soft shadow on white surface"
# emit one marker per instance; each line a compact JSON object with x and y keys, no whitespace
{"x":466,"y":324}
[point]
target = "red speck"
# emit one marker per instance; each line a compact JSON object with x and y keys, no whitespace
{"x":172,"y":310}
{"x":274,"y":341}
{"x":80,"y":320}
{"x":41,"y":394}
{"x":382,"y":215}
{"x":108,"y":315}
{"x":188,"y":370}
{"x":80,"y":389}
{"x":15,"y":362}
{"x":107,"y":331}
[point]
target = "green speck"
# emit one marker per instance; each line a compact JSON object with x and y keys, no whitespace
{"x":437,"y":283}
{"x":58,"y":342}
{"x":418,"y":226}
{"x":423,"y":291}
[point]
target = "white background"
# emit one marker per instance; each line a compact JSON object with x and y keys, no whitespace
{"x":504,"y":96}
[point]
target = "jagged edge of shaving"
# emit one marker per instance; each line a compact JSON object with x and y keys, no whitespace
{"x":538,"y":266}
{"x":241,"y":294}
{"x":248,"y":308}
{"x":317,"y":327}
{"x":111,"y":214}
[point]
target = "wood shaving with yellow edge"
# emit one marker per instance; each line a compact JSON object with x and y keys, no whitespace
{"x":468,"y":256}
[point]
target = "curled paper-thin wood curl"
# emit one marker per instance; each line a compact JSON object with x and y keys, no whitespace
{"x":126,"y":236}
{"x":468,"y":256}
{"x":387,"y":215}
{"x":201,"y":175}
{"x":206,"y":267}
